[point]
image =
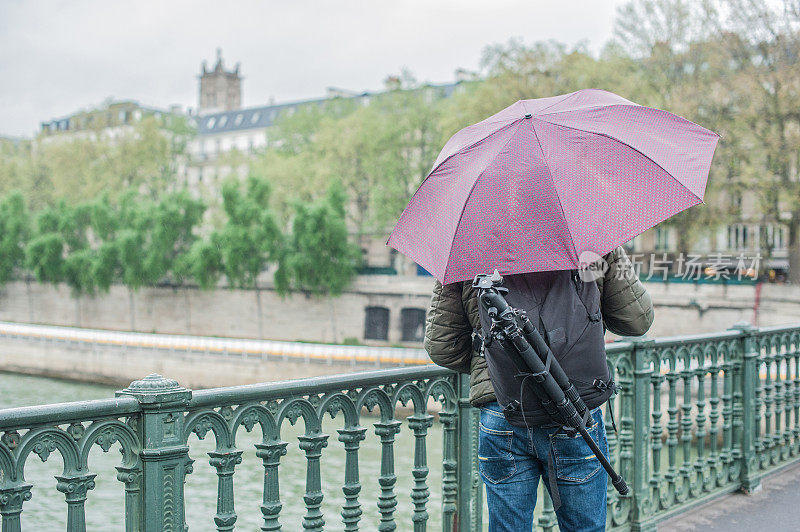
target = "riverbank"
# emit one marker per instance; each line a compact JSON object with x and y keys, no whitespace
{"x":117,"y":358}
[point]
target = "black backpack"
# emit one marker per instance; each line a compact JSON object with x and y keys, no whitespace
{"x":566,"y":311}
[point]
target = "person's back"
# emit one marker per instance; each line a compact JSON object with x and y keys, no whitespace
{"x":513,"y":457}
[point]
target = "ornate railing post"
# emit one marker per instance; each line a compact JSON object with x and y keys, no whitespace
{"x":470,"y":493}
{"x":642,"y":507}
{"x":164,"y":455}
{"x":750,"y":478}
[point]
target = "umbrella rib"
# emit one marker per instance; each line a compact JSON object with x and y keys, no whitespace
{"x":593,"y":107}
{"x":552,"y":182}
{"x":468,"y":146}
{"x":562,"y":100}
{"x":471,"y":190}
{"x":630,"y":104}
{"x":693,"y":193}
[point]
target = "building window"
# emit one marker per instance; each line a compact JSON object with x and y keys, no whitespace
{"x":211,"y":122}
{"x":737,"y":237}
{"x":255,"y":117}
{"x":238,"y":120}
{"x":376,"y":323}
{"x":662,"y":238}
{"x":773,"y":237}
{"x":413,"y":324}
{"x":223,"y":120}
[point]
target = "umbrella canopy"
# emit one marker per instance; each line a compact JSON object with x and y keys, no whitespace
{"x":536,"y":185}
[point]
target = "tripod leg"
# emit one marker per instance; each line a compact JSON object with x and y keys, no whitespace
{"x":616,"y":479}
{"x":543,"y":350}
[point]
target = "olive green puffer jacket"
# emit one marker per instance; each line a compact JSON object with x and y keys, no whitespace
{"x":453,"y":315}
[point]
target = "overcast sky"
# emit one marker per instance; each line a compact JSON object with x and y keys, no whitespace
{"x":57,"y":57}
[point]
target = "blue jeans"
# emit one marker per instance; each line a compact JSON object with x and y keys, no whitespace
{"x":511,"y":460}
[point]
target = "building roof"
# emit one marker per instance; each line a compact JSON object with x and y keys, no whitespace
{"x":244,"y":119}
{"x":64,"y":123}
{"x":265,"y":116}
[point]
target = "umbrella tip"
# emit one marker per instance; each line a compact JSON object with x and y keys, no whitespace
{"x":527,"y":115}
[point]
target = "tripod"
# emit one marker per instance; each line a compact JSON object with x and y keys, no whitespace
{"x":533,"y":358}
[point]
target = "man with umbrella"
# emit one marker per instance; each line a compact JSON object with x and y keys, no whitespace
{"x":538,"y":192}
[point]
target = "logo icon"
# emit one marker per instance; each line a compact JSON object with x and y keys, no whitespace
{"x":591,"y":266}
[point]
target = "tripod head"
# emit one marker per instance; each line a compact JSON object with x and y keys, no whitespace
{"x":491,"y":295}
{"x":486,"y":281}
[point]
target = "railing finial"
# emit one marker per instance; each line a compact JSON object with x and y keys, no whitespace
{"x":157,"y":389}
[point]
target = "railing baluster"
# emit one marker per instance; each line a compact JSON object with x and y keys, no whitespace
{"x":796,"y":387}
{"x":419,"y":424}
{"x":270,"y":454}
{"x":75,"y":487}
{"x":758,"y":403}
{"x":788,"y":402}
{"x":449,"y":478}
{"x":769,"y":405}
{"x":312,"y":443}
{"x":351,"y":510}
{"x":727,"y":414}
{"x":656,"y":430}
{"x":12,"y":495}
{"x":132,"y":478}
{"x":713,"y":417}
{"x":387,"y":500}
{"x":547,"y":521}
{"x":672,"y":432}
{"x":225,"y":462}
{"x":700,"y":421}
{"x":686,"y":428}
{"x":639,"y":478}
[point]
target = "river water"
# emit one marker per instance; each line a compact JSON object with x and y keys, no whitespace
{"x":47,"y":509}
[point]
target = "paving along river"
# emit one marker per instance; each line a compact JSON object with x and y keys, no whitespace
{"x":47,"y":509}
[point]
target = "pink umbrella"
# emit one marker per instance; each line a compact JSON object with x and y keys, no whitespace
{"x":543,"y":181}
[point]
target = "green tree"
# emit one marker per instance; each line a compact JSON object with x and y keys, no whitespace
{"x":14,"y":232}
{"x":171,"y":223}
{"x":678,"y":66}
{"x":16,"y":166}
{"x":251,"y":238}
{"x":762,"y":42}
{"x":204,"y":263}
{"x":44,"y":257}
{"x":321,"y":259}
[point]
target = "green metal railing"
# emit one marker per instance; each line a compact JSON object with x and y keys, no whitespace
{"x":698,"y":417}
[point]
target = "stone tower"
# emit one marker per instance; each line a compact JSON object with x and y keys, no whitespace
{"x":219,"y":90}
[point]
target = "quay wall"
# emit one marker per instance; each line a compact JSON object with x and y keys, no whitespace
{"x":680,"y":309}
